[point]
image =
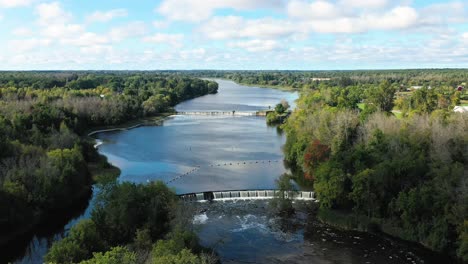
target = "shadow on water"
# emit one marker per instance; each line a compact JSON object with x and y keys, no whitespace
{"x":31,"y":246}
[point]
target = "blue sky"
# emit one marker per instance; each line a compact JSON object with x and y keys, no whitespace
{"x":233,"y":34}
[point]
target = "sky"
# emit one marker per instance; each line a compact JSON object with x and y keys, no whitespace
{"x":233,"y":34}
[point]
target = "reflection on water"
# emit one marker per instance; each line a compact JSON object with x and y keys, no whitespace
{"x":226,"y":150}
{"x":209,"y":152}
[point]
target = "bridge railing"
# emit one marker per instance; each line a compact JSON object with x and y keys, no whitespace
{"x":246,"y":195}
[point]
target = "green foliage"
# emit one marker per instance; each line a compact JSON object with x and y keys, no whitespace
{"x":83,"y":239}
{"x":282,"y":203}
{"x":67,"y":251}
{"x":44,"y":164}
{"x":176,"y":249}
{"x":407,"y":175}
{"x":119,"y":255}
{"x":330,"y":184}
{"x":123,"y":209}
{"x":462,"y":251}
{"x":382,"y":96}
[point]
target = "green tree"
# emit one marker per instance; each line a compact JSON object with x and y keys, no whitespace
{"x":382,"y":96}
{"x":118,"y":254}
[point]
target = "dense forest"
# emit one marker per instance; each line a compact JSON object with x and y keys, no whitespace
{"x":382,"y":159}
{"x":45,"y":160}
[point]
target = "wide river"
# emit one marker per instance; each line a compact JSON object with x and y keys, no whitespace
{"x":196,"y":153}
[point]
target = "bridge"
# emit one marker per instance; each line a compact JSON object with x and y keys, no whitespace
{"x":226,"y":113}
{"x":246,"y":195}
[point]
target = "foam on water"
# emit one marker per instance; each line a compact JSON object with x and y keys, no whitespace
{"x":200,"y":219}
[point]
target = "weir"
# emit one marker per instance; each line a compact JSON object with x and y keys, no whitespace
{"x":226,"y":113}
{"x":246,"y":195}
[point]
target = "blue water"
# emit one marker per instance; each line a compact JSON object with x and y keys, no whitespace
{"x":207,"y":152}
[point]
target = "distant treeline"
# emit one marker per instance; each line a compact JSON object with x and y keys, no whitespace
{"x":44,"y":161}
{"x":312,"y":79}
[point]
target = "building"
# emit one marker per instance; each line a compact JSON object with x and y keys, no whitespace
{"x":460,"y":109}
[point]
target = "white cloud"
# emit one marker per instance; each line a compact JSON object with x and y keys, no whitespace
{"x":255,"y":45}
{"x":105,"y":16}
{"x":132,"y":29}
{"x":194,"y":10}
{"x":15,"y":3}
{"x":232,"y":27}
{"x":367,"y":4}
{"x":52,"y":13}
{"x":398,"y":18}
{"x":315,"y":10}
{"x":59,"y":31}
{"x":22,"y":32}
{"x":160,"y":24}
{"x":85,"y":39}
{"x":25,"y":45}
{"x":198,"y":53}
{"x":169,"y":39}
{"x":96,"y":49}
{"x":444,"y":13}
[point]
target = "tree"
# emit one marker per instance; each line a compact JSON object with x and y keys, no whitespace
{"x":280,"y":109}
{"x":118,"y":254}
{"x":382,"y":96}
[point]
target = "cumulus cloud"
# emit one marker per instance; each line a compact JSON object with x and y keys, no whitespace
{"x":25,"y":45}
{"x":168,"y":39}
{"x":105,"y":16}
{"x":317,"y":9}
{"x":231,"y":27}
{"x":132,"y":29}
{"x":22,"y":32}
{"x":194,"y":11}
{"x":326,"y":17}
{"x":160,"y":24}
{"x":15,"y":3}
{"x":368,"y":4}
{"x":256,"y":45}
{"x":52,"y":13}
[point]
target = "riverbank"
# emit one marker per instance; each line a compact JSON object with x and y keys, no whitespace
{"x":277,"y":87}
{"x":145,"y":121}
{"x":379,"y":227}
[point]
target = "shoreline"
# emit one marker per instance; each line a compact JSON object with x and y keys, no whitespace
{"x":145,"y":121}
{"x":358,"y":223}
{"x":276,"y":87}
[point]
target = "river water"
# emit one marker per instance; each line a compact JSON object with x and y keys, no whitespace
{"x":196,"y":153}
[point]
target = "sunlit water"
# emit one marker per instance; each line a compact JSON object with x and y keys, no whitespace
{"x":208,"y":153}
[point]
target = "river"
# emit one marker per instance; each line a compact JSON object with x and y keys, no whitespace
{"x":196,"y":153}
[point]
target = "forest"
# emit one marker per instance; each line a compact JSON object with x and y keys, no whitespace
{"x":298,"y":80}
{"x":46,"y":161}
{"x":384,"y":159}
